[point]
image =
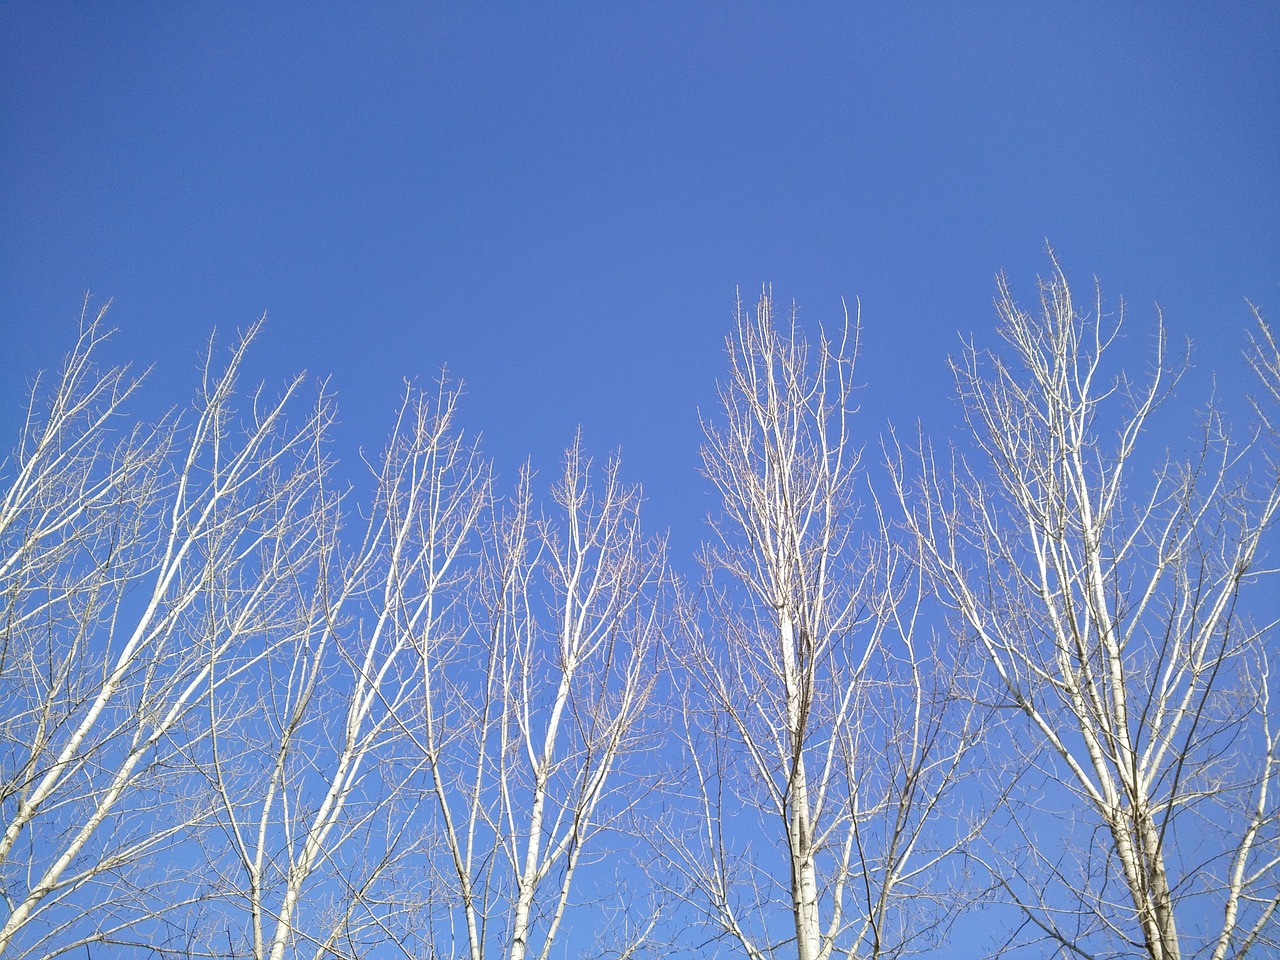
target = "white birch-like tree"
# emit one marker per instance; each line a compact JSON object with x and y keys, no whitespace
{"x":823,"y":737}
{"x":231,"y":728}
{"x":307,"y":757}
{"x":132,"y":560}
{"x":1109,"y":590}
{"x":533,"y":732}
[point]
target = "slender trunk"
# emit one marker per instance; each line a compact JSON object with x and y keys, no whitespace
{"x":528,"y":877}
{"x":804,"y":882}
{"x":1159,"y":902}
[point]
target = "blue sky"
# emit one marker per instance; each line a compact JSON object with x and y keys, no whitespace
{"x":558,"y":201}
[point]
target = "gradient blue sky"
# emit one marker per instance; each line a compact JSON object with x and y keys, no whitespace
{"x":559,"y":200}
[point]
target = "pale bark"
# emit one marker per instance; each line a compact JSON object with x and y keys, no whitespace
{"x":334,"y":764}
{"x":118,"y":554}
{"x":1109,"y":611}
{"x":808,"y":634}
{"x":534,"y":744}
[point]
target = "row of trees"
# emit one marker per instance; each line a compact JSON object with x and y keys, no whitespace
{"x":1025,"y":689}
{"x":245,"y":718}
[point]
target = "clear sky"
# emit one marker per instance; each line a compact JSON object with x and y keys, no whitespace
{"x":559,"y":200}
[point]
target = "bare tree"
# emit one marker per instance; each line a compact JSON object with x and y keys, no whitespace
{"x":819,"y":726}
{"x":229,"y":728}
{"x":532,"y":731}
{"x":307,"y":756}
{"x":131,"y":561}
{"x":1110,"y":610}
{"x":1264,"y":357}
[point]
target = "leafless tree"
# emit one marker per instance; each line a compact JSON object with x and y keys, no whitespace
{"x":230,"y":727}
{"x":532,"y":732}
{"x":822,"y":736}
{"x":1264,"y":357}
{"x":132,"y":560}
{"x":306,"y":754}
{"x":1106,"y":589}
